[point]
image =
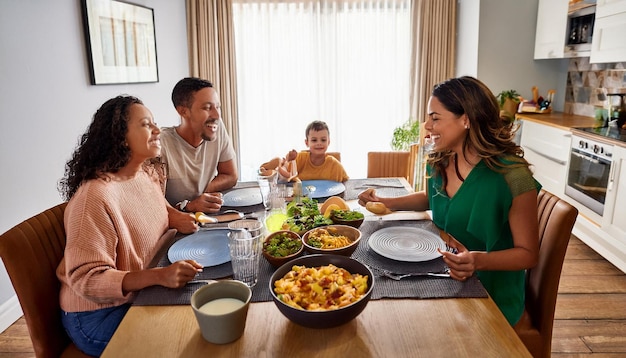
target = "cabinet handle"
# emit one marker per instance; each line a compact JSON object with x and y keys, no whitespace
{"x":562,"y":162}
{"x":609,"y":186}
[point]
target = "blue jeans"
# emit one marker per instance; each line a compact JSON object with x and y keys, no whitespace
{"x":91,"y":331}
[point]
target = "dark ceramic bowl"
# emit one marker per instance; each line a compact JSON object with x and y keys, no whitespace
{"x":352,"y":233}
{"x":277,"y":261}
{"x":356,"y":223}
{"x":330,"y":318}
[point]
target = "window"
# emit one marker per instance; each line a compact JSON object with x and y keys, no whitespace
{"x":342,"y":62}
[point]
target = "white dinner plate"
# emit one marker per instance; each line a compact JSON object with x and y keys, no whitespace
{"x":323,"y":188}
{"x":243,"y":197}
{"x":207,"y":247}
{"x":405,"y":243}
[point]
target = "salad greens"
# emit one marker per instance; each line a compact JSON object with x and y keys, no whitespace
{"x":347,"y":215}
{"x":282,"y":245}
{"x":304,"y":216}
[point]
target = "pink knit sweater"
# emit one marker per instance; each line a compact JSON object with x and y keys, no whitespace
{"x":112,"y":227}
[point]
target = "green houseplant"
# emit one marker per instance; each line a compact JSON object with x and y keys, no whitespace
{"x":404,"y":135}
{"x":508,"y":101}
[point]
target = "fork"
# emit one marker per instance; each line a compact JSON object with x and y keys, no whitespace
{"x":398,"y":276}
{"x":448,"y":247}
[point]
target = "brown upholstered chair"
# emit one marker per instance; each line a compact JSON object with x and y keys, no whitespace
{"x":556,"y":220}
{"x":31,"y":252}
{"x":413,"y":160}
{"x":337,"y":155}
{"x":389,"y":164}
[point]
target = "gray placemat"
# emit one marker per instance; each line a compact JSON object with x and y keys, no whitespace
{"x":413,"y":287}
{"x":385,"y":187}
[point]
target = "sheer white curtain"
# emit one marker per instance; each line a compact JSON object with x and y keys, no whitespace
{"x":345,"y":62}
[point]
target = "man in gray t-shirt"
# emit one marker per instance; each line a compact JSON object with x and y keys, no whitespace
{"x":199,"y":154}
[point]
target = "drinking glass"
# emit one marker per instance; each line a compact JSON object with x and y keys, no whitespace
{"x":267,"y":184}
{"x":245,"y":246}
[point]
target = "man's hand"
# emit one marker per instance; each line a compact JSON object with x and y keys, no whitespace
{"x":206,"y":203}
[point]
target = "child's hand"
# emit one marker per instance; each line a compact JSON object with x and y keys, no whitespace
{"x":291,"y":155}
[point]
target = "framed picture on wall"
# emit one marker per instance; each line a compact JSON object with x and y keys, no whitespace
{"x":121,"y":42}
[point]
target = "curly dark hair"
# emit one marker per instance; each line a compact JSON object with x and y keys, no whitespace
{"x":182,"y":94}
{"x":489,"y":134}
{"x":102,"y":149}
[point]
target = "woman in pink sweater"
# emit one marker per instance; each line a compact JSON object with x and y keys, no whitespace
{"x":115,"y":222}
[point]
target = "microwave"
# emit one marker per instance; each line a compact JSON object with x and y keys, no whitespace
{"x":580,"y":19}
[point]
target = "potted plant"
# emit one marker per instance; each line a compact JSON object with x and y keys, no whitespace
{"x":508,"y":101}
{"x":405,"y":135}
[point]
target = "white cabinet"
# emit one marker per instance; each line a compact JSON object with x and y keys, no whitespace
{"x":615,"y":207}
{"x":546,"y":148}
{"x":609,"y":44}
{"x":551,"y":28}
{"x":610,"y":7}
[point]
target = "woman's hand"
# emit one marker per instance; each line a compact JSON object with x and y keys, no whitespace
{"x":461,"y":263}
{"x":368,"y":195}
{"x":185,"y":223}
{"x":179,"y":273}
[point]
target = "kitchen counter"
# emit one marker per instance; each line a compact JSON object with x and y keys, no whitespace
{"x":542,"y":142}
{"x":559,"y":119}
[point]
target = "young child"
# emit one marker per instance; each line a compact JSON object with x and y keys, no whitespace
{"x":310,"y":164}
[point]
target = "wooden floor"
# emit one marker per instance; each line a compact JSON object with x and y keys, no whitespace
{"x":590,"y":317}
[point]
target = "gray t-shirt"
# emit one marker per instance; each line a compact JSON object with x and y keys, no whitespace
{"x":189,"y":169}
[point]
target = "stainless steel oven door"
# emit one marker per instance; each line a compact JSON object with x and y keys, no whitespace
{"x":587,"y":179}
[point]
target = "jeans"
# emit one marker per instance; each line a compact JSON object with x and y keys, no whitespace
{"x":91,"y":331}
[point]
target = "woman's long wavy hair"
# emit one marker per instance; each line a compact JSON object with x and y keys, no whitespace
{"x":102,"y":149}
{"x":489,"y":135}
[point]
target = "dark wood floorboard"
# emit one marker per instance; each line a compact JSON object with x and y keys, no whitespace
{"x":590,"y":316}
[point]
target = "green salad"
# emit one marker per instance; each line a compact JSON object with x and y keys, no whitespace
{"x":347,"y":215}
{"x":304,"y":216}
{"x":282,"y":245}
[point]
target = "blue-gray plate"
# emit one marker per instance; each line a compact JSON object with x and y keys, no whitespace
{"x":207,"y":247}
{"x":243,"y":197}
{"x":323,"y":188}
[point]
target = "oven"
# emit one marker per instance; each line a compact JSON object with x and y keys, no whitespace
{"x":588,"y":172}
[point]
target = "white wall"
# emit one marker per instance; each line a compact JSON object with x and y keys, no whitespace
{"x":46,"y":101}
{"x":496,"y":41}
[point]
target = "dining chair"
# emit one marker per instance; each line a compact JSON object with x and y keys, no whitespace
{"x":389,"y":164}
{"x":31,"y":252}
{"x":556,"y":220}
{"x":337,"y":155}
{"x":413,"y":160}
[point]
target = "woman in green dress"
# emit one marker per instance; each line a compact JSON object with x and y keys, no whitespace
{"x":480,"y":190}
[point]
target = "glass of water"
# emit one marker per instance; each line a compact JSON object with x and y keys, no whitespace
{"x":245,"y":244}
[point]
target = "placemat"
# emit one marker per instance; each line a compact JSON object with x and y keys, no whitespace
{"x":385,"y":187}
{"x":412,"y":287}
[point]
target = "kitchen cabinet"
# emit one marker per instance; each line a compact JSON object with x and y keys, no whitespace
{"x":613,"y":221}
{"x":610,"y":7}
{"x":551,"y":27}
{"x":546,"y":148}
{"x":608,"y":43}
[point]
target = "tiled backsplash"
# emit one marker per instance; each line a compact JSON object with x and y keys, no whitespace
{"x":585,"y":81}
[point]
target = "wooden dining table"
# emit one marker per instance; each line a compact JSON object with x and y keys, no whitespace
{"x":387,"y":327}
